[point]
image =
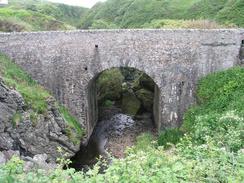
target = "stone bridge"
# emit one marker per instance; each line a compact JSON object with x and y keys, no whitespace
{"x":67,"y":63}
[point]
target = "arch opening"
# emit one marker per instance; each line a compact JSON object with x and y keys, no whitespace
{"x":123,"y":103}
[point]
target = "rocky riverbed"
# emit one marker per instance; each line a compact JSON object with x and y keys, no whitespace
{"x":112,"y":136}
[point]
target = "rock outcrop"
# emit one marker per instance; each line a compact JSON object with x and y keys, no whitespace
{"x":18,"y":132}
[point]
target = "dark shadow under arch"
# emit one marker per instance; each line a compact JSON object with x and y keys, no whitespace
{"x":92,"y":113}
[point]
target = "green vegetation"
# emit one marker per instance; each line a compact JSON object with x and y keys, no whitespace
{"x":169,"y":137}
{"x":211,"y":149}
{"x":76,"y":135}
{"x":170,"y":13}
{"x":35,"y":96}
{"x":16,"y":119}
{"x":40,"y":15}
{"x":109,"y":85}
{"x":186,"y":24}
{"x":32,"y":15}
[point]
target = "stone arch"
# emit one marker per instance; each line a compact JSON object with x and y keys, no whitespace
{"x":92,"y":105}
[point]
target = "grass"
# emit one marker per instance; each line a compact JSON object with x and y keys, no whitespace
{"x":38,"y":15}
{"x":16,"y":119}
{"x":35,"y":96}
{"x":74,"y":123}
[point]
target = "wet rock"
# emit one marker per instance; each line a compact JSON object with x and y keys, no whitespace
{"x":119,"y":123}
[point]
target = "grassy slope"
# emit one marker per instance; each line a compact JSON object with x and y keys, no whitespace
{"x":133,"y":13}
{"x":139,"y":13}
{"x":34,"y":95}
{"x":30,"y":15}
{"x":209,"y":151}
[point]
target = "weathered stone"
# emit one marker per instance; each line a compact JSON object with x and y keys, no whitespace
{"x":28,"y":166}
{"x":42,"y":138}
{"x":39,"y":161}
{"x":2,"y":158}
{"x":10,"y":153}
{"x":67,"y":63}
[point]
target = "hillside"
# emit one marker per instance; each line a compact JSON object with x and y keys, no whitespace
{"x":144,"y":13}
{"x":34,"y":15}
{"x":40,"y":15}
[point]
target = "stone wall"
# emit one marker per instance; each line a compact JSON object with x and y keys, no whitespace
{"x":66,"y":62}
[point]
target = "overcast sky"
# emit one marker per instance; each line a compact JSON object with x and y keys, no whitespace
{"x":84,"y":3}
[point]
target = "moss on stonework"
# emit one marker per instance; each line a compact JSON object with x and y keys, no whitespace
{"x":16,"y":119}
{"x":74,"y":126}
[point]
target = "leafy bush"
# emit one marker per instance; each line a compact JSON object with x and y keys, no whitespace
{"x":12,"y":24}
{"x":169,"y":136}
{"x":109,"y":89}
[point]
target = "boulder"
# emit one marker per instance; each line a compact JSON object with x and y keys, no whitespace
{"x":39,"y":161}
{"x":147,"y":82}
{"x":146,"y":98}
{"x":130,"y":104}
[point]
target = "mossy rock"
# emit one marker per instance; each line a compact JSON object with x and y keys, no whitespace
{"x":143,"y":81}
{"x":130,"y":104}
{"x":147,"y":82}
{"x":109,"y":85}
{"x":146,"y":98}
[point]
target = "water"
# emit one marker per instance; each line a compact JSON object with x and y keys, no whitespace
{"x":113,"y":134}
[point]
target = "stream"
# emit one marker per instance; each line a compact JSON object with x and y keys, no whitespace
{"x":111,"y":136}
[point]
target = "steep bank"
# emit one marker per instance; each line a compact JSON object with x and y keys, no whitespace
{"x":31,"y":121}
